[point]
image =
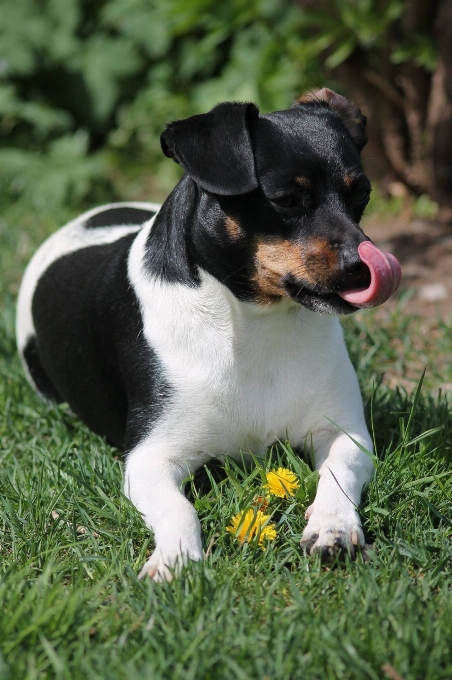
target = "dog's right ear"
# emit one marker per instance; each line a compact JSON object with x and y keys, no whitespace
{"x":215,"y":148}
{"x":353,"y":119}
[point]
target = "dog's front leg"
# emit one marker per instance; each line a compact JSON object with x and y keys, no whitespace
{"x":153,"y":484}
{"x":334,"y":526}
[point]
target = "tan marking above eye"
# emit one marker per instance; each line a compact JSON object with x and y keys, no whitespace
{"x":348,"y":179}
{"x":313,"y":262}
{"x":302,"y":181}
{"x":233,"y":228}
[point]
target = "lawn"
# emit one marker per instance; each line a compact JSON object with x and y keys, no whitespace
{"x":71,"y":605}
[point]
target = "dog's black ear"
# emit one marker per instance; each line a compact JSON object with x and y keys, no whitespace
{"x":215,"y":148}
{"x":351,"y":116}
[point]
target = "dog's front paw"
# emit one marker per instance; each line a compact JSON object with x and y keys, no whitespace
{"x":332,"y":535}
{"x":164,"y":565}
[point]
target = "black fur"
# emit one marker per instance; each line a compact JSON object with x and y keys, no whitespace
{"x":120,"y":215}
{"x":91,"y":345}
{"x":37,"y":371}
{"x":215,"y":148}
{"x":169,"y":252}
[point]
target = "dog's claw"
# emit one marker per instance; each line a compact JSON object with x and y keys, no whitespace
{"x":308,"y":541}
{"x":338,"y":551}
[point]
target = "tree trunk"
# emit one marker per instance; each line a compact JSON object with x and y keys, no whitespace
{"x":439,"y":117}
{"x":408,"y":108}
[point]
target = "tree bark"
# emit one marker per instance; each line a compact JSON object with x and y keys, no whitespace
{"x":370,"y":99}
{"x":439,"y":116}
{"x":409,"y":109}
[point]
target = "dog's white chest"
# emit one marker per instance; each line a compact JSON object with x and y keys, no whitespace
{"x":277,"y":377}
{"x":242,"y":376}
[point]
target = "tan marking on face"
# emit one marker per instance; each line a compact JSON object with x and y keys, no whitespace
{"x":348,"y":180}
{"x":233,"y":228}
{"x":312,"y":263}
{"x":304,"y":182}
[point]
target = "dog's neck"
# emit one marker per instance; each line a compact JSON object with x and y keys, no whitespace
{"x":188,"y":235}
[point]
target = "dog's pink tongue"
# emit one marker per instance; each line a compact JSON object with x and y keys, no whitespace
{"x":385,"y":275}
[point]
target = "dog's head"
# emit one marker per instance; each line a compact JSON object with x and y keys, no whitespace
{"x":283,"y":194}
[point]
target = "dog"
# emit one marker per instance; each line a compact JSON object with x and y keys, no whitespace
{"x":209,"y":326}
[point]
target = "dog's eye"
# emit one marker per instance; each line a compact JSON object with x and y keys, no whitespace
{"x":362,"y":195}
{"x":284,"y":201}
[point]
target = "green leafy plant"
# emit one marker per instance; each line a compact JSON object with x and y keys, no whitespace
{"x":117,"y":71}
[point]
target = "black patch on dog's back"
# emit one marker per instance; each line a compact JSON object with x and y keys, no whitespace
{"x":120,"y":216}
{"x":91,"y":345}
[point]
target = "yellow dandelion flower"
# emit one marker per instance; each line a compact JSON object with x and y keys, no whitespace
{"x":267,"y":533}
{"x":250,"y":523}
{"x":282,"y":483}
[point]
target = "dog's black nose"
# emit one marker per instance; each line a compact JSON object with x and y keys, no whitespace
{"x":354,"y":266}
{"x":355,"y":273}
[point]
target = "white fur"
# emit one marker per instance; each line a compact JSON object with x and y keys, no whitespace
{"x":243,"y":376}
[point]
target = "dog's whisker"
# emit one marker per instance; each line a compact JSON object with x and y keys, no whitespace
{"x":232,"y":274}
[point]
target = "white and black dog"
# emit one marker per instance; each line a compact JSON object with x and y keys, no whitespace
{"x":208,"y":326}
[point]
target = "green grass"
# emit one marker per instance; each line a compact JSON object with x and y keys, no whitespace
{"x":72,"y":607}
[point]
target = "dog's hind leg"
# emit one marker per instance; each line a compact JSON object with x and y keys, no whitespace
{"x":153,"y":484}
